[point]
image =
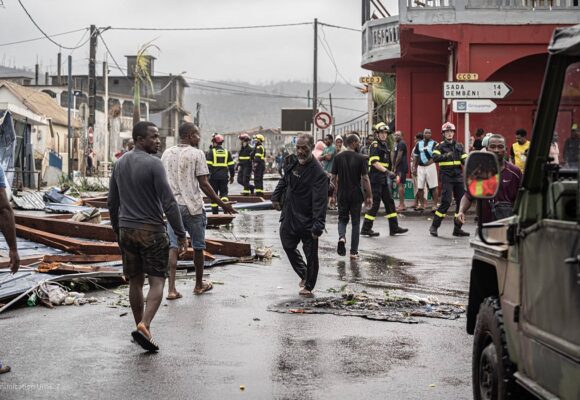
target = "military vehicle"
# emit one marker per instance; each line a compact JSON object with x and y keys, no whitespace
{"x":524,"y":295}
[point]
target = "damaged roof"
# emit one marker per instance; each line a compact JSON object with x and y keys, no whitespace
{"x":39,"y":102}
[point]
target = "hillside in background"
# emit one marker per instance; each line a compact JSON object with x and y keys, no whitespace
{"x":235,"y":106}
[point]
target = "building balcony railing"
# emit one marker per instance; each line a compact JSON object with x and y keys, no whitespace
{"x":380,"y":37}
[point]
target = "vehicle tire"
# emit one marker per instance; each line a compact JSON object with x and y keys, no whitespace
{"x":492,"y":370}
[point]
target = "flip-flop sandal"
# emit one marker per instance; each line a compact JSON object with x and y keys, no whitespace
{"x":4,"y":369}
{"x":205,"y":287}
{"x":147,"y":343}
{"x":174,"y":296}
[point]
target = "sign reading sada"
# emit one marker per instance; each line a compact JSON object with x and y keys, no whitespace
{"x":475,"y":90}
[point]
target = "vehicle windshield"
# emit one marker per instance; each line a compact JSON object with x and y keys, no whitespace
{"x":566,"y":135}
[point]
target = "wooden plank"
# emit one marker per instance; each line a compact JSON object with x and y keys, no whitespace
{"x":66,"y":243}
{"x":81,"y":258}
{"x":239,"y":199}
{"x":228,"y":248}
{"x":219,"y":219}
{"x":24,"y":261}
{"x":68,"y":228}
{"x":95,"y":203}
{"x":61,"y":269}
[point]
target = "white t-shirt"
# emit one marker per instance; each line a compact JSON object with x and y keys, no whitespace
{"x":183,"y":164}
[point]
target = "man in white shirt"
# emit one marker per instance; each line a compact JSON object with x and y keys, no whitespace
{"x":187,"y":173}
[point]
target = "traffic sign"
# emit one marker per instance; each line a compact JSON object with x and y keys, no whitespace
{"x":370,"y":79}
{"x":323,"y":120}
{"x":475,"y":90}
{"x":473,"y":106}
{"x":467,"y":76}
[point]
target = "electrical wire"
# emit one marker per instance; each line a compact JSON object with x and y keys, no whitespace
{"x":333,"y":60}
{"x":220,"y":28}
{"x":112,"y":57}
{"x":43,"y":32}
{"x":43,"y":37}
{"x":340,"y":27}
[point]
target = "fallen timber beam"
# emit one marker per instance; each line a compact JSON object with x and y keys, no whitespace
{"x":24,"y":261}
{"x":81,"y":258}
{"x":51,"y":232}
{"x":239,"y":199}
{"x":95,"y":203}
{"x":75,"y":229}
{"x":65,"y":243}
{"x":212,"y":220}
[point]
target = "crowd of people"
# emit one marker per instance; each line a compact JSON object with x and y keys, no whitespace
{"x":146,"y":191}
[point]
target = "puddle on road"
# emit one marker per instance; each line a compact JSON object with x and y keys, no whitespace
{"x":307,"y":361}
{"x":391,"y":308}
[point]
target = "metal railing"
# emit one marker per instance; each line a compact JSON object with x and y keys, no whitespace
{"x":384,"y":35}
{"x":430,"y":3}
{"x":525,"y":4}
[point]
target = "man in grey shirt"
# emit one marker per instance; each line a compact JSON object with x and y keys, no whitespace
{"x":139,"y":194}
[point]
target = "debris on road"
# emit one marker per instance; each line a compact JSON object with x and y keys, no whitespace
{"x":391,"y":308}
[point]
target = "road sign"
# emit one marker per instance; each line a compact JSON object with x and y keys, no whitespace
{"x":475,"y":90}
{"x":473,"y":106}
{"x":370,"y":79}
{"x":323,"y":120}
{"x":467,"y":76}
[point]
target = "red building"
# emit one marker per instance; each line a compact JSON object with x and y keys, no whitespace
{"x":431,"y":41}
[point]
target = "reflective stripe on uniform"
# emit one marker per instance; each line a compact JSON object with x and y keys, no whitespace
{"x":245,"y":191}
{"x":440,"y":215}
{"x":243,"y":158}
{"x":225,"y":199}
{"x":214,"y":205}
{"x":449,"y":163}
{"x":392,"y":215}
{"x":209,"y":163}
{"x":373,"y":158}
{"x":259,"y":190}
{"x":369,"y":217}
{"x":455,"y":216}
{"x":463,"y":156}
{"x":231,"y":162}
{"x":436,"y":152}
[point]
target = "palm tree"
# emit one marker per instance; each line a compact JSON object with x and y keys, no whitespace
{"x":141,"y":76}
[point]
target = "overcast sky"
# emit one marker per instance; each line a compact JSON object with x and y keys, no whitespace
{"x":253,"y":55}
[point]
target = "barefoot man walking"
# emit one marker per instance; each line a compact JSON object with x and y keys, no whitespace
{"x":138,"y":196}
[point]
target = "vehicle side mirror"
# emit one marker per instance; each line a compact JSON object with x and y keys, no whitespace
{"x":481,"y":175}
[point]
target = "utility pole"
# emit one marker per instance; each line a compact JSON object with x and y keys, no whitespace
{"x":371,"y":108}
{"x":331,"y":113}
{"x":69,"y":104}
{"x":106,"y":110}
{"x":315,"y":78}
{"x":308,"y":96}
{"x":92,"y":77}
{"x":58,"y":68}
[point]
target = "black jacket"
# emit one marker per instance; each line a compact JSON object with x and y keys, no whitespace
{"x":245,"y":156}
{"x":450,"y":156}
{"x":379,"y":152}
{"x":220,"y":163}
{"x":303,"y":192}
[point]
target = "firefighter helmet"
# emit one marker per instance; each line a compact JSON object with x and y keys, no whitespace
{"x":260,"y":137}
{"x":448,"y":126}
{"x":244,"y":137}
{"x":381,"y":126}
{"x":218,"y":138}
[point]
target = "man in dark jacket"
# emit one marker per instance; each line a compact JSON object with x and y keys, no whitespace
{"x":302,"y":195}
{"x":221,"y":165}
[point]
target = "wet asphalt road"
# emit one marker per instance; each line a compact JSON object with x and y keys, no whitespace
{"x":213,"y":344}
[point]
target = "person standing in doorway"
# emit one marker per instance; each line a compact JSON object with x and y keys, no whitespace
{"x":401,"y":168}
{"x":425,"y":169}
{"x":519,"y":150}
{"x":571,"y":148}
{"x":8,"y":229}
{"x":451,"y":156}
{"x":379,"y":163}
{"x":139,"y":196}
{"x":259,"y":164}
{"x":302,"y":194}
{"x":187,"y":174}
{"x":352,"y":187}
{"x":221,"y":164}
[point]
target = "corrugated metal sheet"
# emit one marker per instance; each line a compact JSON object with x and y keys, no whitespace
{"x":29,"y":201}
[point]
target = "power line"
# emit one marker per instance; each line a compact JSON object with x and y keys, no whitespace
{"x":42,"y":37}
{"x":340,"y":27}
{"x":332,"y":59}
{"x":43,"y":32}
{"x":111,"y":54}
{"x":220,"y":28}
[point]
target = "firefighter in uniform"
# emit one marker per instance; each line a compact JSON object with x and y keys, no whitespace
{"x":450,"y":156}
{"x":221,"y":164}
{"x":379,"y":163}
{"x":245,"y":164}
{"x":259,"y":164}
